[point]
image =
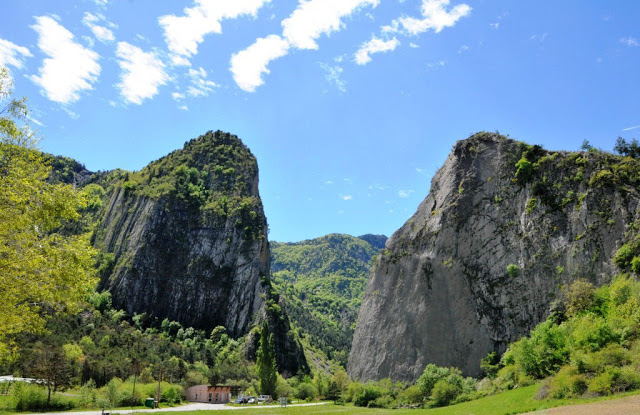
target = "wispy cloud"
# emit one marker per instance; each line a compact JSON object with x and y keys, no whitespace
{"x":463,"y":49}
{"x":540,"y":38}
{"x":200,"y":85}
{"x":374,"y":45}
{"x":495,"y":26}
{"x":183,"y":33}
{"x":142,"y":73}
{"x":346,"y":197}
{"x":70,"y":67}
{"x":630,"y":41}
{"x":12,"y":54}
{"x":101,"y":32}
{"x":310,"y":20}
{"x":435,"y":16}
{"x":631,"y":128}
{"x":405,"y":193}
{"x":332,"y":75}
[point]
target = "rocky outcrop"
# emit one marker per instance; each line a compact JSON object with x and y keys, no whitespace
{"x":479,"y":264}
{"x":187,"y":235}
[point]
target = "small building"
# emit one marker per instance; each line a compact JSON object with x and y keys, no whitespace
{"x":209,"y":394}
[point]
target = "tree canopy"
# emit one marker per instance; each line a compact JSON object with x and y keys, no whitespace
{"x":44,"y":268}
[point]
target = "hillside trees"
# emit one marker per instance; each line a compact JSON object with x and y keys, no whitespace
{"x":43,"y":269}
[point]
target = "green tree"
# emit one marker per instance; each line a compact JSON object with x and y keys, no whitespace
{"x":266,"y":362}
{"x":43,"y":268}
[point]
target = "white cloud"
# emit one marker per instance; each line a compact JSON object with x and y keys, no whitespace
{"x":333,"y":76}
{"x":463,"y":49}
{"x":101,"y":33}
{"x":405,"y":193}
{"x":434,"y":17}
{"x":413,"y":45}
{"x":495,"y":25}
{"x":328,"y":182}
{"x":346,"y":197}
{"x":183,"y":108}
{"x":313,"y":18}
{"x":540,"y":38}
{"x":184,"y":33}
{"x":247,"y":66}
{"x":310,"y":20}
{"x":419,"y":170}
{"x":375,"y":45}
{"x":630,"y":41}
{"x":101,"y":3}
{"x":200,"y":86}
{"x":142,"y":73}
{"x":177,"y":96}
{"x":177,"y":60}
{"x":12,"y":54}
{"x":436,"y":65}
{"x":631,"y":128}
{"x":70,"y":67}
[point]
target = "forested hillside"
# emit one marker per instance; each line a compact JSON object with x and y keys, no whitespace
{"x":322,"y":282}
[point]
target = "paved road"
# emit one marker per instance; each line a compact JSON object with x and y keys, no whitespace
{"x":187,"y":407}
{"x":622,"y":406}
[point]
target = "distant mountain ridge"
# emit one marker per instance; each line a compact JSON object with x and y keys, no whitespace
{"x":322,"y":281}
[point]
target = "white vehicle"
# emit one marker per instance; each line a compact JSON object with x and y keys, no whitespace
{"x":264,"y":398}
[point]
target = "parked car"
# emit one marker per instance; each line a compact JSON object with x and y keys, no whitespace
{"x":242,"y":399}
{"x":264,"y":399}
{"x":252,"y":399}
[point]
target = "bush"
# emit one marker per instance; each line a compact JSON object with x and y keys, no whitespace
{"x":445,"y":392}
{"x":411,"y":396}
{"x":368,"y":394}
{"x":513,"y":270}
{"x":306,"y":391}
{"x":33,"y":398}
{"x":431,"y":375}
{"x":590,"y":332}
{"x":578,"y":297}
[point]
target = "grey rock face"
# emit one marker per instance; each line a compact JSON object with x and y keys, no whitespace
{"x":190,"y":264}
{"x":440,"y":291}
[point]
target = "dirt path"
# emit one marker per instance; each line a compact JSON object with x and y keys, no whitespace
{"x":188,"y":407}
{"x":622,"y":406}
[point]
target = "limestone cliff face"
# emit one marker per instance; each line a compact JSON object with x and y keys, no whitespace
{"x":440,"y":292}
{"x":186,"y":237}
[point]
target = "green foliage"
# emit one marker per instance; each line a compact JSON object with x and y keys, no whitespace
{"x":513,"y":270}
{"x":266,"y":363}
{"x":322,"y":282}
{"x":627,"y":148}
{"x":579,"y":297}
{"x":591,"y":349}
{"x":44,"y":268}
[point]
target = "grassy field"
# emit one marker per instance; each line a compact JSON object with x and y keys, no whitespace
{"x":511,"y":402}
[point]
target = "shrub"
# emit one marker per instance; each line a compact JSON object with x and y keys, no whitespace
{"x":368,"y":394}
{"x":306,"y":391}
{"x":431,"y":375}
{"x":445,"y":392}
{"x":33,"y":398}
{"x":412,"y":395}
{"x":513,"y":270}
{"x":601,"y":384}
{"x":590,"y":332}
{"x":578,"y":297}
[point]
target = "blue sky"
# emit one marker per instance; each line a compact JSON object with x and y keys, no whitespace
{"x":350,"y":106}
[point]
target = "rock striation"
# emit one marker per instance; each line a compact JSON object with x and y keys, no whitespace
{"x":482,"y":260}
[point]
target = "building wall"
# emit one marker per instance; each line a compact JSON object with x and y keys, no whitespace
{"x":198,"y":393}
{"x":209,"y":394}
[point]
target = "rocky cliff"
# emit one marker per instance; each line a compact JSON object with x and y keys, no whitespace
{"x":482,"y":260}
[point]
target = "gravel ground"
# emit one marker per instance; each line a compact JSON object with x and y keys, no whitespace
{"x":623,"y":406}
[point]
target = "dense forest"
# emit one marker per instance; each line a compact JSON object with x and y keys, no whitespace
{"x":322,"y":282}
